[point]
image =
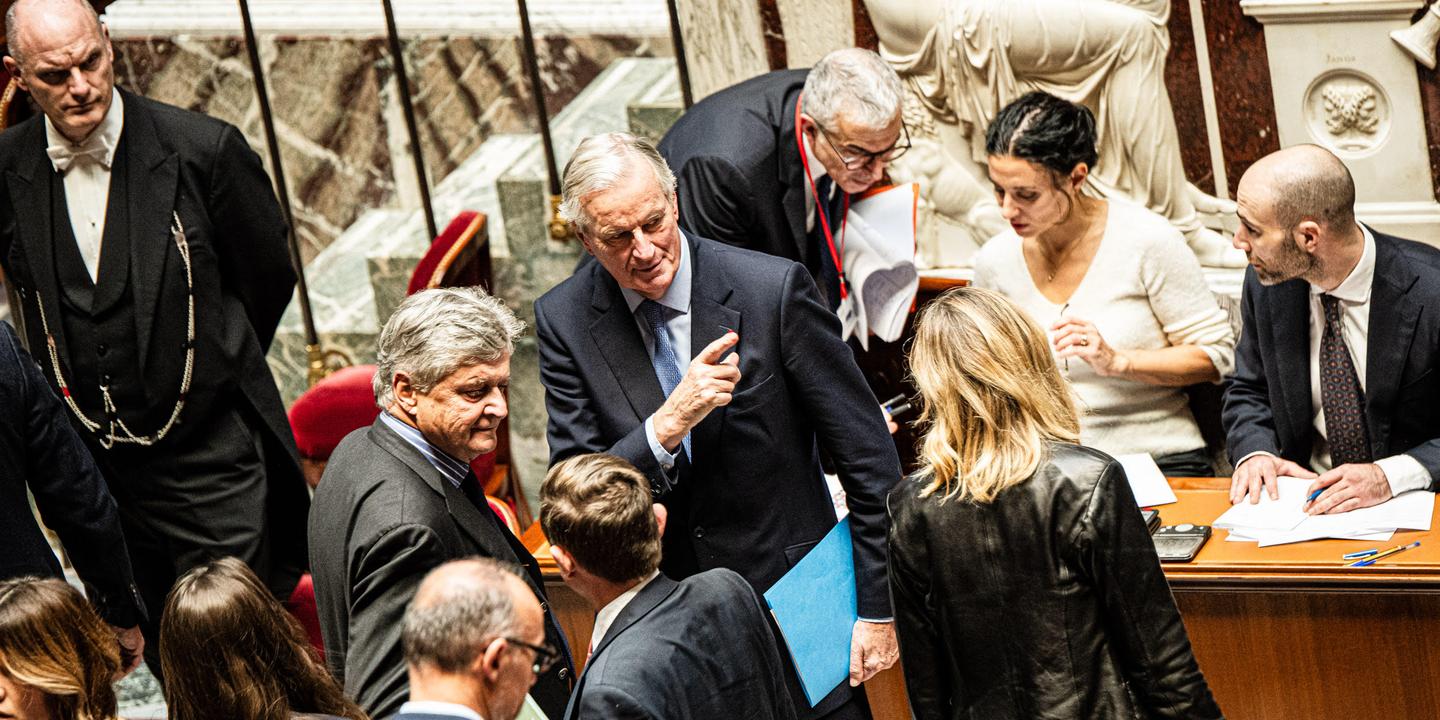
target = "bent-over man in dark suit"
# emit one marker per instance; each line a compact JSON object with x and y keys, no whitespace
{"x":720,"y":375}
{"x":752,"y":159}
{"x":152,"y":268}
{"x":475,"y":641}
{"x":398,"y":498}
{"x":39,"y":450}
{"x":699,"y":649}
{"x":1335,"y":372}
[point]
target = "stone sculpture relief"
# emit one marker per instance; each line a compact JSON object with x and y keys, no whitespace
{"x":963,"y":60}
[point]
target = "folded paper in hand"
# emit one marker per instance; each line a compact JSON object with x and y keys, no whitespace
{"x":880,"y":263}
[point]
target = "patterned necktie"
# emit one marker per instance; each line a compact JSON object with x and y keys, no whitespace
{"x":1340,"y":393}
{"x":667,"y":367}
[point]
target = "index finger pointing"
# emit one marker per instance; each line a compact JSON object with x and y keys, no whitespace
{"x":712,"y":352}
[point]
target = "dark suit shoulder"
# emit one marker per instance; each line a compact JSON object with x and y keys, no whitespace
{"x":373,"y":492}
{"x":176,"y":123}
{"x":1419,"y":257}
{"x":1073,"y":471}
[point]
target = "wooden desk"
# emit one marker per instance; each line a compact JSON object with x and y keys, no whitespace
{"x":1289,"y":632}
{"x":1280,"y":632}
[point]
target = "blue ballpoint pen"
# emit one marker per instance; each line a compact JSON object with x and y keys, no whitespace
{"x":1359,"y":555}
{"x":1313,"y":495}
{"x":1371,"y":560}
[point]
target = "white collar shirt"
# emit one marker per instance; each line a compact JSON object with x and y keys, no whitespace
{"x":435,"y":707}
{"x":87,"y":178}
{"x":606,"y":617}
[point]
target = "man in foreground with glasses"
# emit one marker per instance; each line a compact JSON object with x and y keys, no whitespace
{"x":474,"y":640}
{"x":699,"y":648}
{"x":770,"y":164}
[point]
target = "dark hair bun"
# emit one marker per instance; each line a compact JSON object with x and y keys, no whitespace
{"x":1044,"y":129}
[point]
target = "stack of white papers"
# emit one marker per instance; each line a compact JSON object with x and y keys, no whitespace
{"x":1282,"y":521}
{"x":880,"y":264}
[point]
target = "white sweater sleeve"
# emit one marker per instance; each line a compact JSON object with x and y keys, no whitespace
{"x":1184,"y":304}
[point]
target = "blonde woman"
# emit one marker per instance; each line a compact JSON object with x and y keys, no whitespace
{"x":1024,"y":581}
{"x":57,"y":657}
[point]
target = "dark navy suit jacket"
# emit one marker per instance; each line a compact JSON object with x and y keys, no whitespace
{"x":39,"y":448}
{"x":699,"y":649}
{"x":1267,"y":400}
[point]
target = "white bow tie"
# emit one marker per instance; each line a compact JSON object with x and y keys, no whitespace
{"x":95,"y":148}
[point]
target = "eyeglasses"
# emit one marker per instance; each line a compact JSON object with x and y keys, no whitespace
{"x":861,"y":158}
{"x":545,"y":655}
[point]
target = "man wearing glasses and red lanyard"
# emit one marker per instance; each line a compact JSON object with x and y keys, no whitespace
{"x":769,"y":164}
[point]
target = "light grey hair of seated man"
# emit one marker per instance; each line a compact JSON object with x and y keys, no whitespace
{"x":855,"y":82}
{"x":601,"y":161}
{"x":436,"y":332}
{"x":473,"y":635}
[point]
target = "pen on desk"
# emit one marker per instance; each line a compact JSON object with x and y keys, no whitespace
{"x":1359,"y":555}
{"x":1371,"y":560}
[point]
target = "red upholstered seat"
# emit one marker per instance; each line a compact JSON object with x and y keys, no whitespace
{"x":344,"y":401}
{"x":454,"y":254}
{"x":302,"y":606}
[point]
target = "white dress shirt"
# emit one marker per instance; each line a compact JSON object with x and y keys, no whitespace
{"x":87,"y":179}
{"x":1403,"y":472}
{"x":677,"y":301}
{"x":435,"y":707}
{"x":817,"y":171}
{"x":606,"y":617}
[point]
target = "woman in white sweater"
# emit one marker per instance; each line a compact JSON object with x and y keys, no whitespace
{"x":1131,"y":320}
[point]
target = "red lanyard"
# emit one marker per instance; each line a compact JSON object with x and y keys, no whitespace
{"x":820,"y":205}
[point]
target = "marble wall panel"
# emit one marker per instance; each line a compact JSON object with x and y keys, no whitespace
{"x":1242,"y":87}
{"x":725,"y":42}
{"x":343,"y":141}
{"x":1430,"y":105}
{"x":1182,"y":81}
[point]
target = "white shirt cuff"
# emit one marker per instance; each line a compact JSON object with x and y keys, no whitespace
{"x":662,"y":456}
{"x":1253,"y":454}
{"x":1404,"y":473}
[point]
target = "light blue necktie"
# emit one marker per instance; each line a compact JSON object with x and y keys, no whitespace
{"x":667,"y":367}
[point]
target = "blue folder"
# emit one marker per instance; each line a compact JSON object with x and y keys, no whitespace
{"x":814,"y":605}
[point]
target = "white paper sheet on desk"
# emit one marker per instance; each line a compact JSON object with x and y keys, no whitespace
{"x":880,"y":263}
{"x":1410,"y":511}
{"x":1285,"y":537}
{"x":1147,"y":483}
{"x":1282,"y":514}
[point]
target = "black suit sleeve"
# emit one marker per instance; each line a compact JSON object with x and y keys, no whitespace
{"x":573,"y":427}
{"x":716,"y":202}
{"x":386,"y":575}
{"x":1113,"y":548}
{"x":849,"y":425}
{"x":71,"y":494}
{"x":250,"y":233}
{"x":1247,"y":416}
{"x":606,"y":702}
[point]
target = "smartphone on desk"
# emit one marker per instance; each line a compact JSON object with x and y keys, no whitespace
{"x":1180,"y":543}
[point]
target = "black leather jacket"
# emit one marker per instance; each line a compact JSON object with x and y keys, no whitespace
{"x":1047,"y":603}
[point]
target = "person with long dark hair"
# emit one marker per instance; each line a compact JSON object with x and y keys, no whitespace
{"x":1126,"y":303}
{"x":1025,"y":583}
{"x":229,"y":650}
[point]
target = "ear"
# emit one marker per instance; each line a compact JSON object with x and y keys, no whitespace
{"x":1078,"y":175}
{"x":13,"y":68}
{"x":660,"y":516}
{"x":1307,"y":235}
{"x":487,"y":664}
{"x":405,"y":393}
{"x":808,"y":126}
{"x":563,"y":560}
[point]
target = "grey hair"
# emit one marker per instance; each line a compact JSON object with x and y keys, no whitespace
{"x":459,"y":607}
{"x":599,"y":162}
{"x":855,"y":82}
{"x":436,"y":332}
{"x":12,"y":45}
